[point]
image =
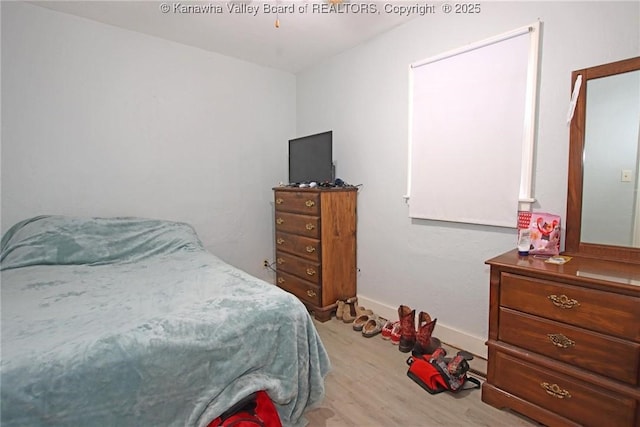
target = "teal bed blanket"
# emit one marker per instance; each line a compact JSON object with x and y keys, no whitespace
{"x":131,"y":322}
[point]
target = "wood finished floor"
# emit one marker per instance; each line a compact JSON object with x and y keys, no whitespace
{"x":368,"y":387}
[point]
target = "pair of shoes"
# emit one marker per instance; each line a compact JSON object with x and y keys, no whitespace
{"x":369,"y":324}
{"x":391,"y":331}
{"x":387,"y":328}
{"x":420,"y":342}
{"x":362,"y":319}
{"x":358,"y":324}
{"x":373,"y":326}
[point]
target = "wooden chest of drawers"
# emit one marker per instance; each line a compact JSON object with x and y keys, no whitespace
{"x":564,"y":340}
{"x":316,"y":245}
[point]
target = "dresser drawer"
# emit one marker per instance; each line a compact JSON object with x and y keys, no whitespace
{"x":563,"y":395}
{"x":305,"y":247}
{"x":613,"y":357}
{"x":298,"y":201}
{"x":600,"y":311}
{"x":304,"y":225}
{"x":300,"y":267}
{"x":304,"y":290}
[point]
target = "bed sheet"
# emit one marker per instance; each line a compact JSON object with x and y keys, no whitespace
{"x":169,"y":337}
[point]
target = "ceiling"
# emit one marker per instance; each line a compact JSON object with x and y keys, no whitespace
{"x":309,"y":32}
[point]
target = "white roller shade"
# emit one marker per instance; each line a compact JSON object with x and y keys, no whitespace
{"x":471,"y":131}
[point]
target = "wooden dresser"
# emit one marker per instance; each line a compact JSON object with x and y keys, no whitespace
{"x":564,"y":340}
{"x":316,"y":245}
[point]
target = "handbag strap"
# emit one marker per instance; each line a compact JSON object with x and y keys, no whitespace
{"x":476,"y":383}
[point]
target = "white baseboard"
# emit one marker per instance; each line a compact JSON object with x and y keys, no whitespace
{"x":450,"y":336}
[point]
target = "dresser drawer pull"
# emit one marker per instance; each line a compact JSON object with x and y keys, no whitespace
{"x":310,"y":249}
{"x":280,"y":280}
{"x":311,"y":293}
{"x":563,"y":301}
{"x":279,"y":221}
{"x":310,"y":271}
{"x":310,"y":226}
{"x":561,"y":341}
{"x":280,"y":240}
{"x":309,"y":203}
{"x":555,"y":390}
{"x":280,"y":261}
{"x":279,"y":201}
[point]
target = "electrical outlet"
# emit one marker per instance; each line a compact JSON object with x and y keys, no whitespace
{"x":265,"y":263}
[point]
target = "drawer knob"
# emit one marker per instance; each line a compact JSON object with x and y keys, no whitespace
{"x":280,"y":261}
{"x":311,"y":293}
{"x":310,"y":271}
{"x":310,"y":226}
{"x":309,"y":203}
{"x":280,"y":280}
{"x":563,"y":301}
{"x":279,"y":221}
{"x":280,"y":240}
{"x":310,"y":249}
{"x":555,"y":391}
{"x":561,"y":341}
{"x":279,"y":201}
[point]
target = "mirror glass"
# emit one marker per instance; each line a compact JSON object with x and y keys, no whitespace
{"x":610,"y":201}
{"x":603,"y":210}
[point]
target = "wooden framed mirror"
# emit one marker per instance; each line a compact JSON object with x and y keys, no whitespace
{"x":603,"y":201}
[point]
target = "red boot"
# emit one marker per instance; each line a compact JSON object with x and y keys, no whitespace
{"x":425,"y":343}
{"x":407,"y":328}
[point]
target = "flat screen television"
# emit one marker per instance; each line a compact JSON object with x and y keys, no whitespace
{"x":311,"y":158}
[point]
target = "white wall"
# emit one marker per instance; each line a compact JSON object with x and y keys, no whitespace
{"x":362,"y":95}
{"x":101,"y":121}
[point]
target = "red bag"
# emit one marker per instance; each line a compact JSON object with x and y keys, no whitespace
{"x":257,"y":409}
{"x":437,"y":373}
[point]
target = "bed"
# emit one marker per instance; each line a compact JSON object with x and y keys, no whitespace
{"x":131,"y":322}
